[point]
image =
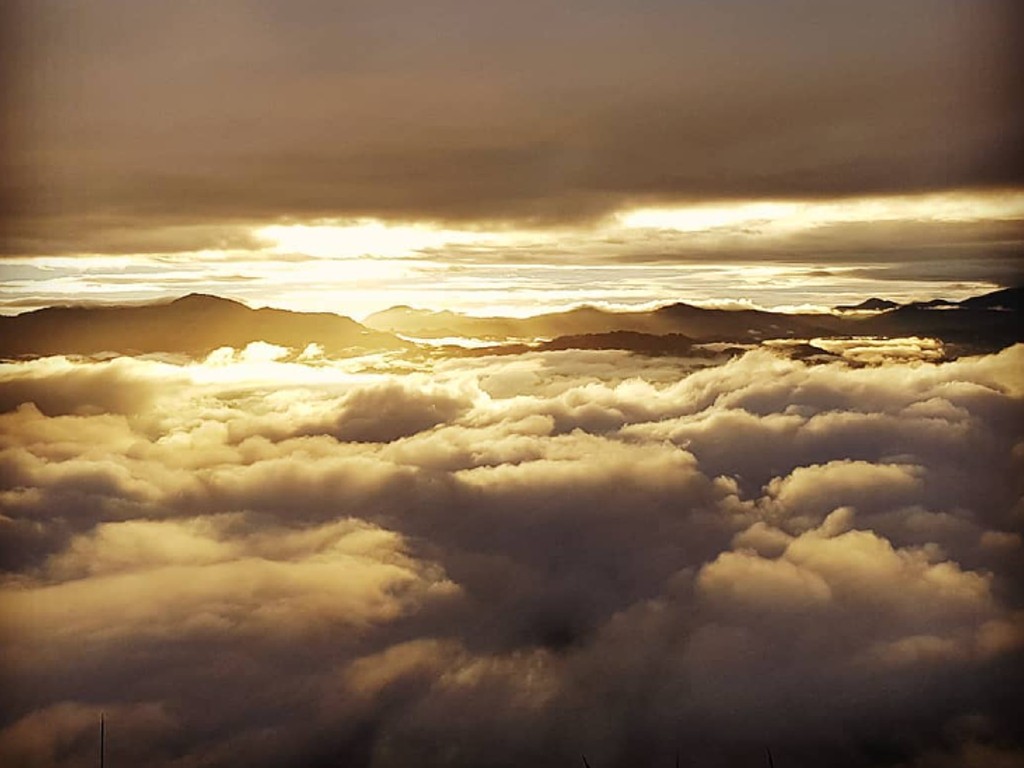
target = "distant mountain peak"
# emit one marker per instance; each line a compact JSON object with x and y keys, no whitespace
{"x":873,"y":304}
{"x":201,"y":299}
{"x":1005,"y":299}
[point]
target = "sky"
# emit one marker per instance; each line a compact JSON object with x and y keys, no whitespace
{"x":488,"y":157}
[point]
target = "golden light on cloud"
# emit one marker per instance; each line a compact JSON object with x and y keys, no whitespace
{"x":773,"y":253}
{"x":359,"y":238}
{"x":699,"y":218}
{"x":784,"y":217}
{"x":260,"y":505}
{"x":379,"y":239}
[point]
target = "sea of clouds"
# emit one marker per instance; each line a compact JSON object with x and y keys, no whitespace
{"x":263,"y":559}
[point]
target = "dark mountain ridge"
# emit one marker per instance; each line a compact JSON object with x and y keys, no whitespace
{"x":978,"y":324}
{"x":696,"y":322}
{"x":194,"y":324}
{"x":874,"y":304}
{"x":197,"y":323}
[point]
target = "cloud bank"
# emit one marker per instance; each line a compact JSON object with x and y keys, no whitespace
{"x":511,"y":561}
{"x":171,"y":127}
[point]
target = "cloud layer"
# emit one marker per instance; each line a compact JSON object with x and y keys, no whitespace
{"x":510,"y":561}
{"x":174,"y":127}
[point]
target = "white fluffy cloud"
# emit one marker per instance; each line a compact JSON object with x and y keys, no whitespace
{"x":262,"y":560}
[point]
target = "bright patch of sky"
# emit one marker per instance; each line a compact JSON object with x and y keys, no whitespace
{"x":746,"y":253}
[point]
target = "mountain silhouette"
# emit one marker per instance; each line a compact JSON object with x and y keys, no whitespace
{"x":194,"y":324}
{"x":874,"y":304}
{"x":197,"y":323}
{"x":979,"y":324}
{"x":685,"y":319}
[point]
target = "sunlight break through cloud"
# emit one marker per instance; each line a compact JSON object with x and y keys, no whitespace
{"x":365,"y":238}
{"x":788,"y":217}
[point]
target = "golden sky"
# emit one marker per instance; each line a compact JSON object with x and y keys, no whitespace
{"x":778,"y":254}
{"x":274,"y":152}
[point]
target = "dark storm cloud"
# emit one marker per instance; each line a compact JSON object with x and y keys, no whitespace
{"x":180,"y":119}
{"x":561,"y":552}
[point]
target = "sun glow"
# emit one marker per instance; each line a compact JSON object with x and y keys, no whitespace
{"x":362,"y":238}
{"x":774,"y":253}
{"x":260,"y":364}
